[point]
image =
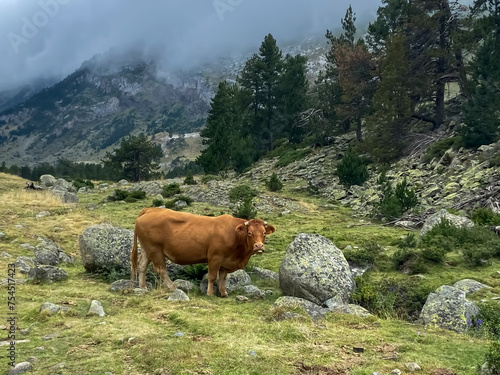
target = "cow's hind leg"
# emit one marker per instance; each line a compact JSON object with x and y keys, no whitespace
{"x":143,"y":266}
{"x":160,"y":268}
{"x":213,"y":269}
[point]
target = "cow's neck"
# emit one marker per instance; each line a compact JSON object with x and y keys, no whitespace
{"x":243,"y":253}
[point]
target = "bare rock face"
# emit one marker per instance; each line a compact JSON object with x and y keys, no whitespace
{"x":448,"y":308}
{"x":313,"y":268}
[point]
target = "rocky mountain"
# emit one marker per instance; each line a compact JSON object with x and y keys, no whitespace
{"x":117,"y":94}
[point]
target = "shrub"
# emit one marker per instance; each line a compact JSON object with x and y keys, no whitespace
{"x":138,"y":194}
{"x":274,"y":183}
{"x":290,"y":156}
{"x":391,"y":297}
{"x":352,"y":169}
{"x":79,"y":183}
{"x":395,"y":202}
{"x":189,"y":180}
{"x":495,"y":160}
{"x":170,"y":190}
{"x":493,"y":358}
{"x":365,"y":256}
{"x":119,"y":195}
{"x":157,"y":202}
{"x":312,"y":189}
{"x":184,"y":198}
{"x":209,"y":177}
{"x":485,"y":216}
{"x":438,"y":149}
{"x":488,"y":321}
{"x":241,"y":192}
{"x":194,"y":272}
{"x":245,"y":209}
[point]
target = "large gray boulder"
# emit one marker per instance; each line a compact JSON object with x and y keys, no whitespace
{"x":234,"y":281}
{"x":287,"y":303}
{"x":105,"y":247}
{"x":448,"y":308}
{"x":65,"y":196}
{"x":47,"y":252}
{"x":313,"y":268}
{"x":455,"y":220}
{"x":469,"y":285}
{"x":47,"y":180}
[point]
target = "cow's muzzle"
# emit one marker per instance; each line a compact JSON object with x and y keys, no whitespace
{"x":258,"y":248}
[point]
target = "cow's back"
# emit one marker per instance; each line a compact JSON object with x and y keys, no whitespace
{"x":185,"y":238}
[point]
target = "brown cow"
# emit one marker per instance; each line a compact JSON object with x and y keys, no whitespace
{"x":226,"y":243}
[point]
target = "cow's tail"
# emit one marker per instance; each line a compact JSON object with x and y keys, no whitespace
{"x":133,"y":258}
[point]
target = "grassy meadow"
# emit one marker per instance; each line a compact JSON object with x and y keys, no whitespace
{"x":220,"y":336}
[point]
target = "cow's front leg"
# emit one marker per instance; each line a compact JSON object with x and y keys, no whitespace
{"x":212,"y":276}
{"x":222,"y":282}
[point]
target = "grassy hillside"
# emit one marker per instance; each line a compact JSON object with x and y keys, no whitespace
{"x":221,"y":336}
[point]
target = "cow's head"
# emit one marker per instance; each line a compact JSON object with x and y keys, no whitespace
{"x":255,"y":232}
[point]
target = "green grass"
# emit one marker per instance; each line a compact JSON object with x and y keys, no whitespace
{"x":220,"y":335}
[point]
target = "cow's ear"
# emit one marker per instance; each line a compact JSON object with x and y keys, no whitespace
{"x":242,"y":229}
{"x":270,"y":229}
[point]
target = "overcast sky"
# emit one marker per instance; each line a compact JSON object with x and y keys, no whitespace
{"x":43,"y":38}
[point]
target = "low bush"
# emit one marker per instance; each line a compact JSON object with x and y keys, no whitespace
{"x":157,"y":202}
{"x":170,"y":190}
{"x":438,"y":149}
{"x":241,"y":192}
{"x":184,"y":198}
{"x":189,"y":180}
{"x":485,"y":216}
{"x":493,"y":358}
{"x":78,"y":183}
{"x":364,"y":256}
{"x":245,"y":209}
{"x":291,"y":156}
{"x":209,"y":177}
{"x":274,"y":183}
{"x":352,"y":169}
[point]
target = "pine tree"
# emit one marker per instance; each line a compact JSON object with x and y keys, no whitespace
{"x":137,"y":158}
{"x":218,"y":130}
{"x":391,"y":104}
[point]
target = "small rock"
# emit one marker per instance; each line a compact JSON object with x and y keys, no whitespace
{"x":96,"y":308}
{"x":396,"y":371}
{"x":50,"y":336}
{"x":27,"y":246}
{"x":52,"y":308}
{"x":180,"y":204}
{"x":58,"y":366}
{"x":241,"y":298}
{"x":184,"y":285}
{"x":47,"y":273}
{"x":179,"y":334}
{"x":42,"y":214}
{"x":121,"y":285}
{"x":178,"y":295}
{"x":412,"y":366}
{"x":253,"y":291}
{"x":2,"y":234}
{"x":32,"y":359}
{"x":252,"y":353}
{"x":20,"y":368}
{"x":265,"y":273}
{"x":3,"y":254}
{"x":140,"y":291}
{"x":40,"y":348}
{"x":25,"y":331}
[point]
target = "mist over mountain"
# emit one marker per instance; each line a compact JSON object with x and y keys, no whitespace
{"x":51,"y":38}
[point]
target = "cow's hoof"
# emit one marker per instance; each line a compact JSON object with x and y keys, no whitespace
{"x":224,"y":295}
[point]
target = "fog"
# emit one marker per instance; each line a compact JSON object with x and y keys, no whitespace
{"x":51,"y":38}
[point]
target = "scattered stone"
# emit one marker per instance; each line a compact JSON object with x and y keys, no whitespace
{"x":47,"y":252}
{"x":96,"y":308}
{"x":27,"y":246}
{"x":2,"y":235}
{"x":58,"y":366}
{"x":140,"y":291}
{"x":412,"y":366}
{"x":123,"y":182}
{"x":50,"y":336}
{"x":52,"y":308}
{"x":44,"y":273}
{"x":65,"y":196}
{"x":313,"y":268}
{"x":265,"y":273}
{"x":179,"y":334}
{"x":42,"y":214}
{"x":178,"y":295}
{"x":253,"y":291}
{"x":314,"y":311}
{"x":104,"y":247}
{"x":121,"y":285}
{"x":485,"y":369}
{"x":184,"y":285}
{"x":396,"y":371}
{"x":32,"y":359}
{"x":252,"y":353}
{"x":180,"y":204}
{"x":351,"y":309}
{"x":241,"y":298}
{"x":24,"y":331}
{"x":20,"y":368}
{"x":405,"y":224}
{"x":448,"y":308}
{"x":469,"y":285}
{"x":4,"y":255}
{"x":40,"y":348}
